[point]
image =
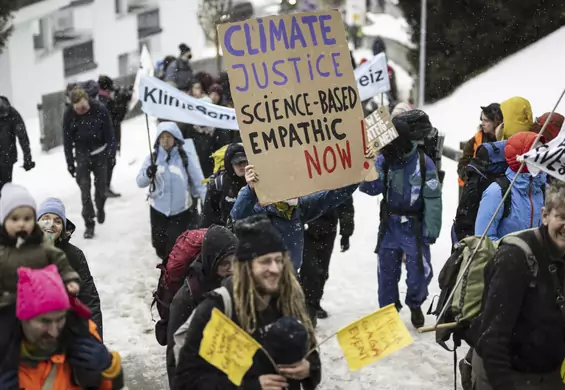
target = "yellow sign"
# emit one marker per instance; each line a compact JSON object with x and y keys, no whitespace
{"x":373,"y":337}
{"x":228,"y":347}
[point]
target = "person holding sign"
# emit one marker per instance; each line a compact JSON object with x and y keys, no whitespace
{"x":269,"y":305}
{"x":410,"y":219}
{"x":289,"y":217}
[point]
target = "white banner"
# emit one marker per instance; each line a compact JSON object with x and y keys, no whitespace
{"x":162,"y":100}
{"x":145,"y":68}
{"x":548,"y":158}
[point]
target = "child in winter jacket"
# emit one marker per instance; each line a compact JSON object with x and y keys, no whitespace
{"x":173,"y":182}
{"x":526,"y":196}
{"x":21,"y":245}
{"x":410,"y":220}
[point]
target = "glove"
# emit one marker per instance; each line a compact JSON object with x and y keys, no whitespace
{"x":72,"y":170}
{"x":89,"y":354}
{"x":29,"y":165}
{"x":151,"y":171}
{"x":9,"y":381}
{"x":344,"y":243}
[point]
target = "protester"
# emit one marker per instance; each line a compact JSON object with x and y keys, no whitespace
{"x":524,"y":204}
{"x":215,"y":93}
{"x":224,"y":186}
{"x":552,"y":129}
{"x":12,"y":126}
{"x":58,"y":230}
{"x":57,"y":349}
{"x":214,"y":263}
{"x":491,"y":118}
{"x":88,"y":130}
{"x":289,"y":216}
{"x":410,"y":220}
{"x":179,"y":72}
{"x":522,"y":334}
{"x":319,"y":238}
{"x":268,"y":302}
{"x":517,"y":116}
{"x":173,"y":183}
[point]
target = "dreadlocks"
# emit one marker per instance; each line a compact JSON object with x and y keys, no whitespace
{"x":290,"y":300}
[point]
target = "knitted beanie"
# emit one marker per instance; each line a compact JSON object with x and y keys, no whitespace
{"x":12,"y":197}
{"x":257,"y":237}
{"x":53,"y":206}
{"x":40,"y":291}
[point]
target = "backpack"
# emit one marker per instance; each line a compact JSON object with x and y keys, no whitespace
{"x":218,"y":157}
{"x":180,"y":334}
{"x":489,"y":166}
{"x":467,"y":302}
{"x":173,"y":272}
{"x":427,"y":138}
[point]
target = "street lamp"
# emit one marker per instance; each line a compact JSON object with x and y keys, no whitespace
{"x":422,"y":72}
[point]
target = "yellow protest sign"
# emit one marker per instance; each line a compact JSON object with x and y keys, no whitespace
{"x":373,"y":337}
{"x":227,"y":347}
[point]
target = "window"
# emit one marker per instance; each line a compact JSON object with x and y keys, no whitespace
{"x":79,"y":58}
{"x":148,"y":23}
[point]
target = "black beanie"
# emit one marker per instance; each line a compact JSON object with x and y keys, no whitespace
{"x":257,"y":237}
{"x":286,"y":340}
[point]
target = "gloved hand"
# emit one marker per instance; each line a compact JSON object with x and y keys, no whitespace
{"x":9,"y":381}
{"x":344,"y":243}
{"x":89,"y":354}
{"x":29,"y":165}
{"x":72,"y":170}
{"x":151,"y":171}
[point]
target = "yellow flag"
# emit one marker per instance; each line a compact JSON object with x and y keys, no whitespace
{"x":373,"y":337}
{"x":227,"y":347}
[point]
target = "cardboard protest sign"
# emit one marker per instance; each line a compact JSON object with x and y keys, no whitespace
{"x":227,"y":347}
{"x":373,"y":337}
{"x":297,"y":104}
{"x":380,"y":130}
{"x":548,"y":158}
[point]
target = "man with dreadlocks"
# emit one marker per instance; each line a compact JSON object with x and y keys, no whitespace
{"x":268,"y":304}
{"x":173,"y":181}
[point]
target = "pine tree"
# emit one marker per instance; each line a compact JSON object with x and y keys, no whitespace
{"x":6,"y":9}
{"x":466,"y":37}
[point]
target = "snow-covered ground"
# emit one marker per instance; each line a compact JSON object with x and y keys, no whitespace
{"x":389,"y":26}
{"x":535,"y":73}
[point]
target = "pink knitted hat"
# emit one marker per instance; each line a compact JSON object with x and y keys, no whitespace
{"x":40,"y":291}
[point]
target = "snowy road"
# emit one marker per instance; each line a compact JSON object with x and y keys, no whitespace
{"x":123,"y":264}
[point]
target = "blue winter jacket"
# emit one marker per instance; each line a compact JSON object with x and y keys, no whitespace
{"x":404,"y":184}
{"x":309,"y":208}
{"x":525,"y":210}
{"x":174,"y":188}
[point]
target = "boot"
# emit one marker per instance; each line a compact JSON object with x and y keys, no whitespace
{"x":101,"y":216}
{"x":466,"y":369}
{"x":112,"y":194}
{"x":312,"y":314}
{"x":321,"y":313}
{"x":398,"y":306}
{"x":89,"y":233}
{"x":417,"y":318}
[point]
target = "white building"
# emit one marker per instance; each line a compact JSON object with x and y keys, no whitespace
{"x":55,"y":42}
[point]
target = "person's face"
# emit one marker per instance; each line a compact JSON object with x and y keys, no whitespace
{"x":166,"y":140}
{"x":239,"y":168}
{"x":225,"y":266}
{"x":554,"y":220}
{"x":267,"y":271}
{"x":187,"y":56}
{"x":215,"y":96}
{"x":81,"y":107}
{"x":52,"y":225}
{"x":43,"y":331}
{"x":197,"y":90}
{"x":487,"y":125}
{"x":20,"y":222}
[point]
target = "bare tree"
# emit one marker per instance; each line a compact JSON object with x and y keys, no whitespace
{"x":210,"y":14}
{"x":6,"y":9}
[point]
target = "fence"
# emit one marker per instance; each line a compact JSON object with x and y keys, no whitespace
{"x":52,"y":106}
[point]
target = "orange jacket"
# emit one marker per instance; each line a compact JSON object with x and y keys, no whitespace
{"x":466,"y":157}
{"x":33,"y":377}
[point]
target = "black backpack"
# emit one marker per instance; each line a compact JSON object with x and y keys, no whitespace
{"x":487,"y":167}
{"x":427,"y":137}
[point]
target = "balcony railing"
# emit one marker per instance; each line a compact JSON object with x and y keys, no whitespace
{"x":79,"y":58}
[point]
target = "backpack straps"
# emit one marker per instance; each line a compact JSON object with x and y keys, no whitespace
{"x":504,"y":184}
{"x":531,"y":261}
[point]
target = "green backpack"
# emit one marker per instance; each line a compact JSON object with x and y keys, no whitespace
{"x":467,"y":302}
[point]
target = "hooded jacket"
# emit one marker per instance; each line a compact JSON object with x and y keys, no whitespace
{"x":11,"y":126}
{"x":202,"y":277}
{"x":33,"y":253}
{"x":290,"y":222}
{"x":195,"y":373}
{"x":174,"y":186}
{"x":88,"y":292}
{"x":180,"y":73}
{"x":220,"y":200}
{"x":517,"y":116}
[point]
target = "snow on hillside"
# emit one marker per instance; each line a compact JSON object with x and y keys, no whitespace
{"x":389,"y":26}
{"x":535,"y":73}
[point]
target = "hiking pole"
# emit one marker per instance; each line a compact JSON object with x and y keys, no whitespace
{"x":483,"y":236}
{"x":152,"y":185}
